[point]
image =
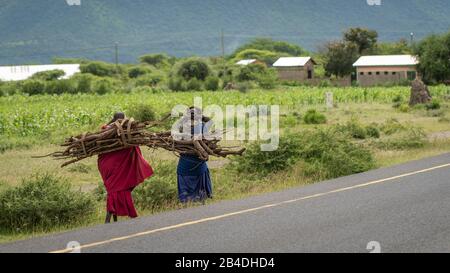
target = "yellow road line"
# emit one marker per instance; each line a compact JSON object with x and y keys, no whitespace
{"x":249,"y":210}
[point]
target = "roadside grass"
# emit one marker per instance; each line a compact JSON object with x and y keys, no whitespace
{"x":433,"y":148}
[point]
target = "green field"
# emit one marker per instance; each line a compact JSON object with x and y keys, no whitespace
{"x":56,"y":116}
{"x":34,"y":125}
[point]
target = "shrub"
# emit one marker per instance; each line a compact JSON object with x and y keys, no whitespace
{"x":325,"y":153}
{"x":157,"y":60}
{"x":142,"y":112}
{"x":392,"y":126}
{"x":373,"y":131}
{"x":250,"y":72}
{"x":314,"y":117}
{"x":354,"y":129}
{"x":433,"y":105}
{"x":194,"y":68}
{"x":42,"y":202}
{"x":411,"y":138}
{"x":50,"y":75}
{"x":194,"y":85}
{"x":257,"y":162}
{"x":268,"y":79}
{"x":59,"y":87}
{"x":177,"y":84}
{"x":152,"y":79}
{"x":329,"y":154}
{"x":100,"y":69}
{"x":160,"y":190}
{"x":212,"y":83}
{"x":103,"y":86}
{"x":138,"y":71}
{"x":33,"y":87}
{"x":84,"y":83}
{"x":9,"y":88}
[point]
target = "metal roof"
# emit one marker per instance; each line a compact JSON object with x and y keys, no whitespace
{"x":386,"y":60}
{"x":23,"y":72}
{"x":292,"y":61}
{"x":246,"y":62}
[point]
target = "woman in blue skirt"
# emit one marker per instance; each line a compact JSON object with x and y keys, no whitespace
{"x":194,"y":181}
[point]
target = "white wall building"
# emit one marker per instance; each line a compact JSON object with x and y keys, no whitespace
{"x":23,"y":72}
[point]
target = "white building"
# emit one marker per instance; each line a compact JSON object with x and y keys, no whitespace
{"x":23,"y":72}
{"x":246,"y":62}
{"x":383,"y":69}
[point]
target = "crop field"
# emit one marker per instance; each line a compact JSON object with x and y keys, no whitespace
{"x":47,"y":115}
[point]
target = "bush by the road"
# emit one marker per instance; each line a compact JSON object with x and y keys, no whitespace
{"x":409,"y":137}
{"x":42,"y":202}
{"x":330,"y":154}
{"x":255,"y":161}
{"x":326,"y":153}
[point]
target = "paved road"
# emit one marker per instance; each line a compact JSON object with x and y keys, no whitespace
{"x":404,"y":208}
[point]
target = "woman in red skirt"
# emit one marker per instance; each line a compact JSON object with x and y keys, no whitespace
{"x":121,"y":172}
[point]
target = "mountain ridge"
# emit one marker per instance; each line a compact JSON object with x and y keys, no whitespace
{"x":35,"y":31}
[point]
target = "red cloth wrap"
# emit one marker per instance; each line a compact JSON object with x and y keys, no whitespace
{"x":122,"y":171}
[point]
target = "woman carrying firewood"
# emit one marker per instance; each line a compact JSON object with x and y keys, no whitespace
{"x":121,"y":172}
{"x":194,"y":182}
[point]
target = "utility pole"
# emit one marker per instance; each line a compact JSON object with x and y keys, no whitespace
{"x":222,"y":43}
{"x":412,"y":38}
{"x":116,"y":50}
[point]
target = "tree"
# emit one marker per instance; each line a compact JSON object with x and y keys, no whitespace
{"x":138,"y":71}
{"x":266,"y":56}
{"x":158,"y":60}
{"x":194,"y":68}
{"x":268,"y":44}
{"x":364,"y":39}
{"x":250,"y":72}
{"x":100,"y":69}
{"x":396,"y":48}
{"x":339,"y":58}
{"x":434,"y":58}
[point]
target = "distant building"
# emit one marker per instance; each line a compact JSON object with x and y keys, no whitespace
{"x":295,"y":68}
{"x":374,"y":70}
{"x":250,"y":61}
{"x":23,"y":72}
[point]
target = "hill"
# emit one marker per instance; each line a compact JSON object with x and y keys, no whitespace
{"x":35,"y":31}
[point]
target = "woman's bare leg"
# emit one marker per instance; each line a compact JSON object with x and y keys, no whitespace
{"x":115,"y":217}
{"x":108,"y":217}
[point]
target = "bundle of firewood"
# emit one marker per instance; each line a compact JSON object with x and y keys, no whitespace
{"x":128,"y":133}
